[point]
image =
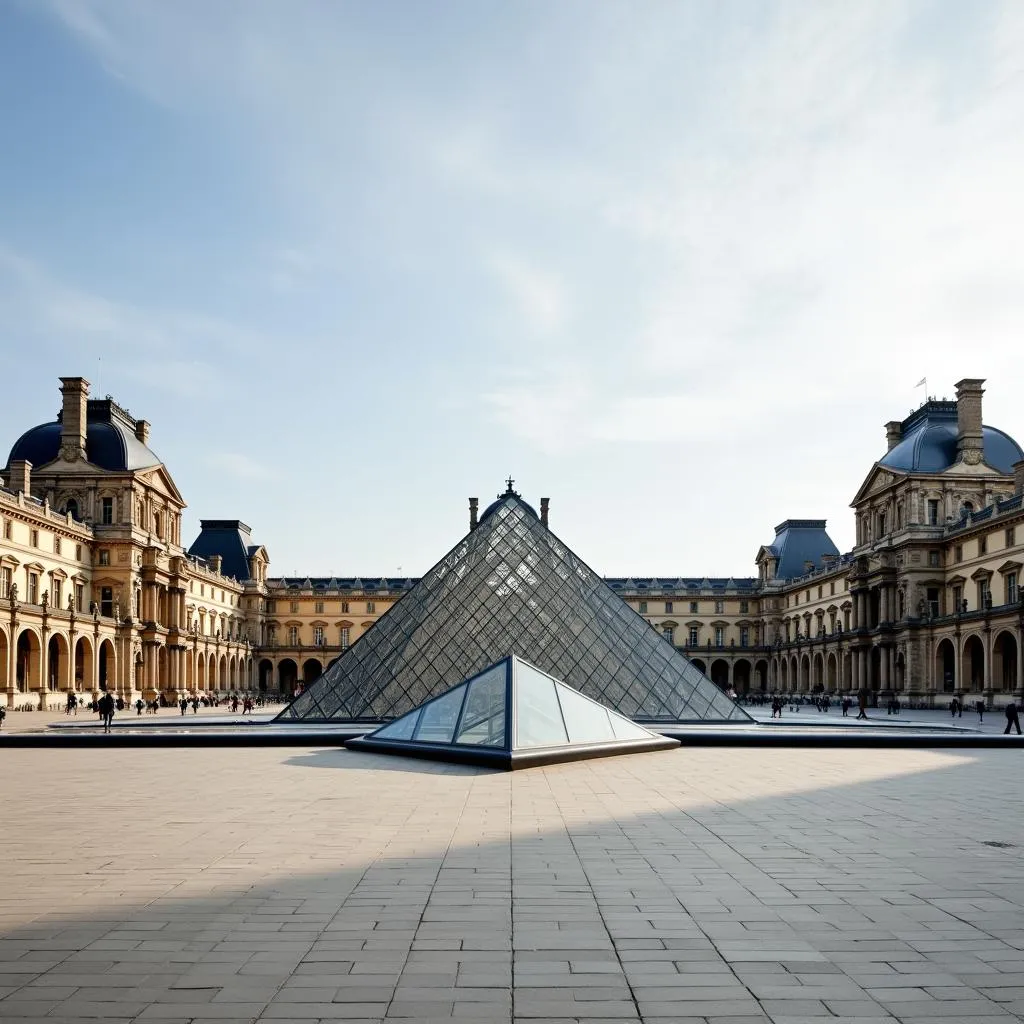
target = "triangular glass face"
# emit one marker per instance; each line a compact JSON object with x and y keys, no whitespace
{"x":511,"y":715}
{"x":511,"y":584}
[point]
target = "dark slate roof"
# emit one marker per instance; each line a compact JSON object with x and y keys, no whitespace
{"x":228,"y":538}
{"x":110,"y":441}
{"x":680,"y":585}
{"x":799,"y":541}
{"x":929,"y":443}
{"x":385,"y":584}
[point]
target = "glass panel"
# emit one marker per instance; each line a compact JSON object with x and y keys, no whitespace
{"x":538,"y":718}
{"x":401,"y":729}
{"x":626,"y":730}
{"x":483,"y":717}
{"x":438,"y":718}
{"x":586,"y":721}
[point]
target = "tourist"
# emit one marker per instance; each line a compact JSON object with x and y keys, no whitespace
{"x":846,"y":707}
{"x":3,"y":714}
{"x":234,"y":703}
{"x":105,"y":706}
{"x":980,"y":708}
{"x":139,"y":705}
{"x":1012,"y":721}
{"x":195,"y":705}
{"x":862,"y":704}
{"x":183,"y":704}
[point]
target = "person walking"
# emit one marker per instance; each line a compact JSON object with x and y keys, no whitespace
{"x":979,"y":706}
{"x":3,"y":714}
{"x":1012,"y":720}
{"x":105,"y":706}
{"x":139,"y":705}
{"x":862,"y":704}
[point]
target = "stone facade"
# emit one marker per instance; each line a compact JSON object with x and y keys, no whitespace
{"x":97,"y":591}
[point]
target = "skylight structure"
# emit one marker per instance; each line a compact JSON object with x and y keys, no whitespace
{"x":510,"y":585}
{"x":510,"y":716}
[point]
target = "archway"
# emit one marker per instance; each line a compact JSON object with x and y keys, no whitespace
{"x":899,"y":682}
{"x":83,"y":664}
{"x":4,"y":654}
{"x":287,"y":676}
{"x":201,"y":672}
{"x":794,"y":674}
{"x":57,"y":664}
{"x":832,"y":673}
{"x":211,"y":673}
{"x":805,"y":674}
{"x":818,"y":673}
{"x":700,"y":665}
{"x":27,"y":664}
{"x":311,"y":670}
{"x":784,"y":675}
{"x":1004,"y":662}
{"x":761,"y":676}
{"x":741,"y":676}
{"x":188,"y":656}
{"x":266,"y":674}
{"x":875,"y":669}
{"x":222,"y":677}
{"x":973,"y":672}
{"x":107,"y":665}
{"x":945,"y":667}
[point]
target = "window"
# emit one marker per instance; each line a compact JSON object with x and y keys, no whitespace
{"x":56,"y":545}
{"x":107,"y":601}
{"x":202,"y":590}
{"x":106,"y":511}
{"x":958,"y":596}
{"x":104,"y":556}
{"x":370,"y":607}
{"x":57,"y":592}
{"x":1011,"y":536}
{"x":319,"y":607}
{"x":79,"y":597}
{"x":744,"y":607}
{"x":1011,"y":588}
{"x":819,"y":591}
{"x":984,"y":595}
{"x":7,"y":529}
{"x":344,"y":607}
{"x":643,"y":607}
{"x":694,"y":607}
{"x":933,"y":602}
{"x":666,"y":632}
{"x":933,"y":512}
{"x":34,"y":538}
{"x":719,"y":607}
{"x":694,"y":636}
{"x":719,"y":636}
{"x":933,"y":559}
{"x":983,"y":545}
{"x":33,"y":588}
{"x":293,"y":607}
{"x":345,"y":636}
{"x":271,"y":606}
{"x":293,"y":636}
{"x":318,"y":636}
{"x":5,"y":582}
{"x":881,"y":524}
{"x":807,"y":595}
{"x":78,"y":552}
{"x":967,"y":508}
{"x":958,"y":553}
{"x":744,"y":636}
{"x":158,"y":524}
{"x":832,"y":587}
{"x":668,"y":607}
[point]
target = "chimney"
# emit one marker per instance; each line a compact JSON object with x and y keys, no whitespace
{"x":142,"y":430}
{"x":474,"y":508}
{"x":544,"y":503}
{"x":215,"y":562}
{"x":1018,"y":477}
{"x":21,"y":476}
{"x":893,"y":433}
{"x":73,"y":418}
{"x":970,"y":446}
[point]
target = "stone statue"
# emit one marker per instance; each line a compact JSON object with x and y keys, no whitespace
{"x":45,"y":601}
{"x":71,"y":602}
{"x":14,"y":595}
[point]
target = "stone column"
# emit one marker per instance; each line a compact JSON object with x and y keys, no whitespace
{"x":44,"y":665}
{"x":987,"y":683}
{"x":12,"y":659}
{"x":862,"y":669}
{"x":883,"y":668}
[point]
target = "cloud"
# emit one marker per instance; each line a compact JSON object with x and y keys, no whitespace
{"x":538,"y":296}
{"x":238,"y":466}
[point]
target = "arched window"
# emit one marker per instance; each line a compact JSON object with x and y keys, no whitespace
{"x":71,"y":508}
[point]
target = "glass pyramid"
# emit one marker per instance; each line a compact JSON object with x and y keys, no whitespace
{"x":510,"y":716}
{"x":511,"y":585}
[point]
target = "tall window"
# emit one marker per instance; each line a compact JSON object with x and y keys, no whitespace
{"x":293,"y":636}
{"x":694,"y":636}
{"x":34,"y":538}
{"x":104,"y":557}
{"x":643,"y":607}
{"x":984,"y":594}
{"x":57,"y":592}
{"x":1011,"y":536}
{"x":56,"y":545}
{"x":933,"y":512}
{"x":1011,"y":588}
{"x":319,"y":607}
{"x":344,"y":607}
{"x":107,"y":601}
{"x":832,"y":587}
{"x":958,"y":596}
{"x":158,"y":524}
{"x":33,"y":588}
{"x":933,"y":602}
{"x":345,"y":634}
{"x":370,"y":607}
{"x":318,"y":636}
{"x":293,"y":607}
{"x":719,"y":607}
{"x":719,"y":636}
{"x":106,"y":511}
{"x":7,"y":529}
{"x":666,"y":632}
{"x":983,"y":545}
{"x":79,"y":597}
{"x":744,"y":607}
{"x":958,"y":552}
{"x":5,"y":582}
{"x":668,"y":607}
{"x":694,"y":607}
{"x":744,"y":636}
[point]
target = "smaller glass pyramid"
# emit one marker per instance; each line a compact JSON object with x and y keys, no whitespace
{"x":511,"y":715}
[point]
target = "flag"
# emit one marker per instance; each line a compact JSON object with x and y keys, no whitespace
{"x":923,"y":380}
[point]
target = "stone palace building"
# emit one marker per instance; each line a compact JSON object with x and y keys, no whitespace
{"x":99,"y":592}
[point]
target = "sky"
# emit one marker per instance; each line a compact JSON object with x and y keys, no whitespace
{"x":671,"y":264}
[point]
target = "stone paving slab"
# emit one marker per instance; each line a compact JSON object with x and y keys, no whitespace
{"x":702,"y":886}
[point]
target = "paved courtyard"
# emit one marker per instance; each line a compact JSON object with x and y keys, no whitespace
{"x":708,"y":884}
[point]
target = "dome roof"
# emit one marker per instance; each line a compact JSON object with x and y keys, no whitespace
{"x":929,"y":443}
{"x":110,"y":442}
{"x":509,"y":498}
